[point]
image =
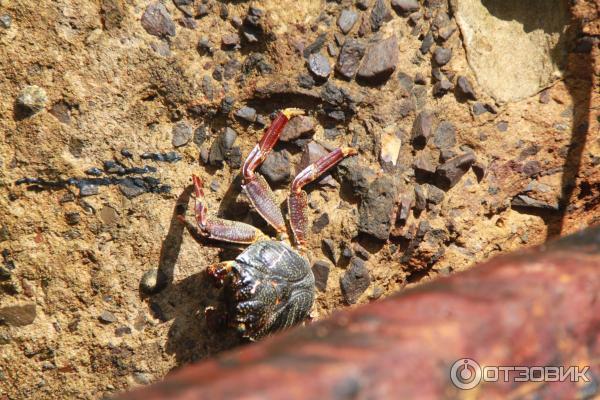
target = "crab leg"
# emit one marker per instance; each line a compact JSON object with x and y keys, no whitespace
{"x":256,"y":187}
{"x":297,"y":202}
{"x":218,"y":228}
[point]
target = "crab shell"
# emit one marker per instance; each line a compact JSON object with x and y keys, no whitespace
{"x":270,"y":287}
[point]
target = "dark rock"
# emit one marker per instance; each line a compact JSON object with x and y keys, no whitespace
{"x":442,"y":55}
{"x":171,"y":156}
{"x":404,"y":7}
{"x":301,"y":125}
{"x":132,"y":188}
{"x":189,"y":23}
{"x":230,"y":40}
{"x":406,"y":82}
{"x":502,"y":126}
{"x":93,"y":171}
{"x":420,"y":79}
{"x":379,"y":15}
{"x":406,"y":203}
{"x":426,"y":43}
{"x":315,"y":46}
{"x":376,"y":208}
{"x":349,"y":59}
{"x":318,"y":64}
{"x":205,"y":46}
{"x":62,"y":112}
{"x":355,"y":281}
{"x":182,"y":134}
{"x":32,"y":99}
{"x":442,"y":87}
{"x":157,"y":21}
{"x":306,"y":81}
{"x":5,"y":21}
{"x":330,"y":250}
{"x":347,"y":251}
{"x":214,"y":186}
{"x":420,"y":198}
{"x":202,"y":10}
{"x":227,"y":104}
{"x":339,"y":39}
{"x":18,"y":315}
{"x":72,"y":218}
{"x":358,"y":176}
{"x":446,"y":154}
{"x":276,"y":167}
{"x":479,"y":108}
{"x":449,"y":173}
{"x":465,"y":88}
{"x":223,"y":11}
{"x":422,"y":128}
{"x":363,"y":4}
{"x":88,"y":190}
{"x":122,"y":331}
{"x":380,"y":60}
{"x":321,"y":222}
{"x":424,"y":164}
{"x":153,"y":281}
{"x":529,"y":202}
{"x":336,"y":115}
{"x":360,"y":251}
{"x":218,"y":73}
{"x":435,"y":195}
{"x":126,"y":153}
{"x":346,"y":20}
{"x":321,"y":272}
{"x":107,"y":317}
{"x":445,"y":136}
{"x":200,"y":135}
{"x":246,"y":113}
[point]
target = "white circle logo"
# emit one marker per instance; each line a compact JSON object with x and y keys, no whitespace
{"x":465,"y":373}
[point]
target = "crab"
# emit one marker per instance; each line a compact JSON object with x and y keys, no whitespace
{"x":270,"y":285}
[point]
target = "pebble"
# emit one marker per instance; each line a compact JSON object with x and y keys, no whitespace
{"x":132,"y":187}
{"x":107,"y":317}
{"x":502,"y":126}
{"x":375,"y":209}
{"x":442,"y":55}
{"x":424,"y":164}
{"x":346,"y":20}
{"x":420,"y":198}
{"x":435,"y":195}
{"x":306,"y":81}
{"x":153,"y":281}
{"x":380,"y":60}
{"x":363,"y":4}
{"x":380,"y":14}
{"x":544,"y":96}
{"x":321,"y":272}
{"x":202,"y":10}
{"x":277,"y":168}
{"x":221,"y":147}
{"x":122,"y":331}
{"x":230,"y":40}
{"x":406,"y":82}
{"x":349,"y":59}
{"x":446,"y":32}
{"x":445,"y":136}
{"x":479,"y":108}
{"x":332,"y":50}
{"x":157,"y":21}
{"x":360,"y":251}
{"x":318,"y":64}
{"x":93,"y":171}
{"x":315,"y":46}
{"x":298,"y":126}
{"x":72,"y":218}
{"x":88,"y":190}
{"x":5,"y":21}
{"x":246,"y":113}
{"x":227,"y":104}
{"x":449,"y":173}
{"x":465,"y":88}
{"x":320,"y":223}
{"x":404,"y":7}
{"x":170,"y":157}
{"x":18,"y":315}
{"x":355,"y":281}
{"x":422,"y":128}
{"x":200,"y":135}
{"x":330,"y":250}
{"x":442,"y":87}
{"x":426,"y":43}
{"x":189,"y":23}
{"x":357,"y":175}
{"x":182,"y":134}
{"x":32,"y":99}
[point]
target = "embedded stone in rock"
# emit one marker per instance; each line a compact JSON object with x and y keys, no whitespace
{"x":246,"y":113}
{"x":426,"y":43}
{"x":32,"y":99}
{"x":379,"y":15}
{"x":422,"y":128}
{"x":449,"y":173}
{"x":320,"y":223}
{"x":182,"y":134}
{"x":157,"y":21}
{"x":276,"y":167}
{"x":376,"y":208}
{"x":222,"y":147}
{"x":230,"y":40}
{"x":424,"y":164}
{"x":297,"y":127}
{"x":442,"y":56}
{"x":318,"y":64}
{"x":528,"y":67}
{"x":358,"y":176}
{"x":346,"y":20}
{"x":349,"y":59}
{"x":18,"y":315}
{"x":380,"y":60}
{"x":321,"y":272}
{"x":445,"y":135}
{"x":355,"y":281}
{"x":442,"y":87}
{"x":420,"y":198}
{"x":405,"y":6}
{"x":465,"y":87}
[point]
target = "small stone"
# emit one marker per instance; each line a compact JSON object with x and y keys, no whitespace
{"x":157,"y":21}
{"x":449,"y":173}
{"x":380,"y":60}
{"x":424,"y":164}
{"x":479,"y":108}
{"x":142,"y":378}
{"x":122,"y":331}
{"x":32,"y":99}
{"x":355,"y":281}
{"x":200,"y":135}
{"x":420,"y":198}
{"x":113,"y":167}
{"x":88,"y":189}
{"x":545,"y":96}
{"x":332,"y":50}
{"x":502,"y":126}
{"x":376,"y":293}
{"x":420,"y":79}
{"x":5,"y":21}
{"x":222,"y":147}
{"x":321,"y":272}
{"x":349,"y":59}
{"x":405,"y":7}
{"x":426,"y":43}
{"x":315,"y":46}
{"x":376,"y":208}
{"x":380,"y":14}
{"x":18,"y":315}
{"x":406,"y":82}
{"x":330,"y":250}
{"x":363,"y":4}
{"x":107,"y":317}
{"x":346,"y":20}
{"x":298,"y":126}
{"x":132,"y":187}
{"x":358,"y":176}
{"x":446,"y":32}
{"x":445,"y":136}
{"x":223,"y":11}
{"x":435,"y":195}
{"x":230,"y":40}
{"x":306,"y":81}
{"x":182,"y":134}
{"x":529,"y":202}
{"x":227,"y":105}
{"x":318,"y":64}
{"x":320,"y":223}
{"x":465,"y":88}
{"x":189,"y":23}
{"x":422,"y":128}
{"x":202,"y":10}
{"x":442,"y":87}
{"x":153,"y":281}
{"x":276,"y":167}
{"x":246,"y":113}
{"x":93,"y":171}
{"x":72,"y":218}
{"x":62,"y":112}
{"x":360,"y":251}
